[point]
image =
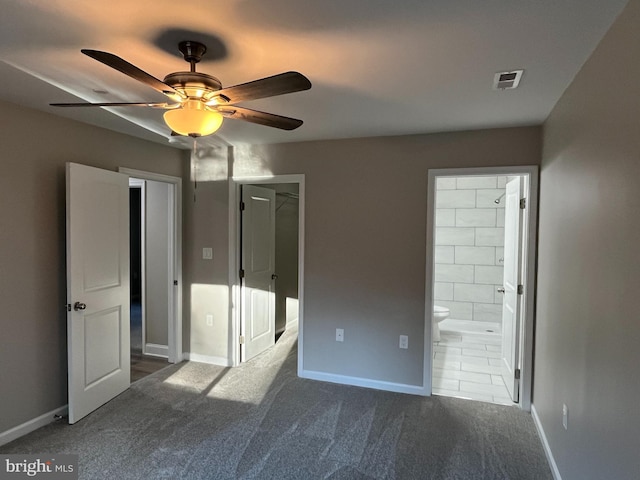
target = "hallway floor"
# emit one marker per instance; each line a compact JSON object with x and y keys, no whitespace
{"x":467,"y":365}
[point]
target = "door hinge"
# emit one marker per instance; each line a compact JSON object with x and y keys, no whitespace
{"x":517,"y":374}
{"x":523,"y":203}
{"x":241,"y":273}
{"x":520,"y":289}
{"x":241,"y":339}
{"x":68,"y":307}
{"x":242,"y":206}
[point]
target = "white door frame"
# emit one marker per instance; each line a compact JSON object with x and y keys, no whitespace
{"x":175,"y":254}
{"x":234,"y":257}
{"x":529,"y":237}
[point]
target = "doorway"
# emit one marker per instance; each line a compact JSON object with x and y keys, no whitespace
{"x":155,"y":272}
{"x":258,"y":289}
{"x":481,"y":234}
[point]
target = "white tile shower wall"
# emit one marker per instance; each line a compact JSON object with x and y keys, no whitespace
{"x":469,"y":246}
{"x":445,"y":254}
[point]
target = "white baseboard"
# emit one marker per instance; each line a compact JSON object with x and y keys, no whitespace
{"x":31,"y":425}
{"x":545,"y":444}
{"x":291,"y":324}
{"x":363,"y":382}
{"x":196,"y":357}
{"x":156,"y":350}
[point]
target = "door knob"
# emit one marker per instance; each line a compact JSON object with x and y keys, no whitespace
{"x":274,"y":277}
{"x":501,"y":290}
{"x":79,"y":306}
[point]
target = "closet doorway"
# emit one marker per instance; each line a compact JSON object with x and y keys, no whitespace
{"x":267,"y":253}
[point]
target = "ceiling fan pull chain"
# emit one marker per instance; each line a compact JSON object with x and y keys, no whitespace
{"x":195,"y":167}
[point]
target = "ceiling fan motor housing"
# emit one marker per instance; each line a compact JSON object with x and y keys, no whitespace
{"x":194,"y":84}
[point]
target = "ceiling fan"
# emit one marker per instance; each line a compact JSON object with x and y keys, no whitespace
{"x":198,"y":103}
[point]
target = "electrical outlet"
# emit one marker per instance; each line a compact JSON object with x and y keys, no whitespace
{"x":207,"y":253}
{"x":565,"y":416}
{"x":404,"y":341}
{"x":209,"y":320}
{"x":339,"y":334}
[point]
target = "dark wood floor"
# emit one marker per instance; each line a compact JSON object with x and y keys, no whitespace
{"x":143,"y":365}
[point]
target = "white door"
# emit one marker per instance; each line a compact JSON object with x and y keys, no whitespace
{"x":258,"y":263}
{"x":512,"y":275}
{"x":97,"y":287}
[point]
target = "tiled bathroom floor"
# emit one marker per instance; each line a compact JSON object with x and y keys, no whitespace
{"x":467,"y":365}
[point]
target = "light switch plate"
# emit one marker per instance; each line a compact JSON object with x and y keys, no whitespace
{"x":404,"y":341}
{"x":207,"y":253}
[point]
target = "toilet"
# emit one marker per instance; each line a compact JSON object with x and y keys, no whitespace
{"x":439,"y":314}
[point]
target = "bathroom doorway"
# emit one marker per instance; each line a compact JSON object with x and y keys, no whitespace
{"x":481,"y":233}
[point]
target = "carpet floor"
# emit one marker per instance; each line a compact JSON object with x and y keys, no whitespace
{"x":260,"y":421}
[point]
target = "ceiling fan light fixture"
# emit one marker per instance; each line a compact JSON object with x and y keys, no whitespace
{"x":193,"y":119}
{"x":199,"y":102}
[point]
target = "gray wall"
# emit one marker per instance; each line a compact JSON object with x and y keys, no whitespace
{"x":365,"y":230}
{"x":588,"y":331}
{"x":206,"y":282}
{"x":157,"y":263}
{"x":35,"y":147}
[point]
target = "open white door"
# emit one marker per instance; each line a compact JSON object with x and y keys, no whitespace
{"x":258,"y":264}
{"x":511,"y":301}
{"x":97,"y":287}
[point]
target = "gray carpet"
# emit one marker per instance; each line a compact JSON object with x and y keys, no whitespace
{"x":259,"y":421}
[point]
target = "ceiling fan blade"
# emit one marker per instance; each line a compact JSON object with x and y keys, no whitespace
{"x":261,"y":118}
{"x":134,"y":72}
{"x":115,"y":104}
{"x":280,"y":84}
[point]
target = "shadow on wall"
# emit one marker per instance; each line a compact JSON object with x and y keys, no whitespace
{"x":247,"y":161}
{"x":219,"y":163}
{"x":209,"y":164}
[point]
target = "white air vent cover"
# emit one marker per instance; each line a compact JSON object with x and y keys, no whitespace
{"x":507,"y":80}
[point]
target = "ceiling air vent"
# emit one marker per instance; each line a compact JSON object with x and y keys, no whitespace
{"x":507,"y":80}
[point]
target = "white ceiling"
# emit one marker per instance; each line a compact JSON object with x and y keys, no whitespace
{"x":377,"y":67}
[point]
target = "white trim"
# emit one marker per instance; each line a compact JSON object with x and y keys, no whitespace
{"x":529,"y":274}
{"x":32,"y":425}
{"x":175,"y":193}
{"x":361,"y":382}
{"x":211,"y":360}
{"x":156,"y":350}
{"x":172,"y":290}
{"x":291,"y":324}
{"x":545,"y":444}
{"x":234,"y":258}
{"x":526,"y":353}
